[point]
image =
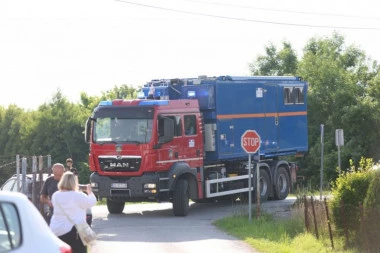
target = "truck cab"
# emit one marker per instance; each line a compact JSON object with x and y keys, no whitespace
{"x":138,"y":149}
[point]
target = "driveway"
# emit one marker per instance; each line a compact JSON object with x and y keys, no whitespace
{"x":153,"y":228}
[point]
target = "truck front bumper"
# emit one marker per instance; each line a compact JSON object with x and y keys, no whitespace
{"x":125,"y":188}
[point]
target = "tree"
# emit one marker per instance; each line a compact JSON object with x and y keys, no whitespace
{"x":339,"y":77}
{"x":122,"y":92}
{"x":279,"y":64}
{"x":59,"y":131}
{"x":344,"y":90}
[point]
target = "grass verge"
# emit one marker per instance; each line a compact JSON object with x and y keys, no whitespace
{"x":274,"y":235}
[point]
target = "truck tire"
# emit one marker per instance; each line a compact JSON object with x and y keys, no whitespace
{"x":115,"y":206}
{"x":181,"y":198}
{"x":281,"y":184}
{"x":264,"y":185}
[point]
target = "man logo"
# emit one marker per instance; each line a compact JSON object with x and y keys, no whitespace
{"x":119,"y":165}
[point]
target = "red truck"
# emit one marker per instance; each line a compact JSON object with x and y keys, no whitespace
{"x":184,"y":143}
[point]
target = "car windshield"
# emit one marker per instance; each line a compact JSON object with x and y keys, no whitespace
{"x":119,"y":130}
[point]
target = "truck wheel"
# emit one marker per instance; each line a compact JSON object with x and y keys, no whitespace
{"x":115,"y":206}
{"x":281,"y":184}
{"x":264,"y":185}
{"x":181,"y":198}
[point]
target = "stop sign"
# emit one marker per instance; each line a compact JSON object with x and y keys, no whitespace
{"x":250,"y":141}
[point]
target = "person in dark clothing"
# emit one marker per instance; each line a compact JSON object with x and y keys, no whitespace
{"x":69,"y":166}
{"x":49,"y":187}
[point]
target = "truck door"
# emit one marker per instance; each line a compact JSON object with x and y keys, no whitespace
{"x":170,"y":152}
{"x":192,"y":140}
{"x":270,"y":140}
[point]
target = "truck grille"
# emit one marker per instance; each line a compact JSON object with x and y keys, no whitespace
{"x":119,"y":163}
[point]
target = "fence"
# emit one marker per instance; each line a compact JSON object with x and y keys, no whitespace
{"x":359,"y":226}
{"x":30,"y":183}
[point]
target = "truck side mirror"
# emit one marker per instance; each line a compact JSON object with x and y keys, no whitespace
{"x":87,"y":130}
{"x":168,"y":130}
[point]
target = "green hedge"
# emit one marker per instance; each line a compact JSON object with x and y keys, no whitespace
{"x":349,"y":190}
{"x":371,"y":228}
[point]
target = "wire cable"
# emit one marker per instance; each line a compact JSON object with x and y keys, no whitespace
{"x":249,"y":20}
{"x":284,"y":11}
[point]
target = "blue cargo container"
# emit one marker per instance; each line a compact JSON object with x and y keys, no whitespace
{"x":276,"y":107}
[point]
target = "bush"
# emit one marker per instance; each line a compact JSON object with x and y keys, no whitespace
{"x":371,"y":225}
{"x":350,"y":189}
{"x":372,"y":199}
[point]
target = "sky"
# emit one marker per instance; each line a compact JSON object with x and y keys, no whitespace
{"x":91,"y":46}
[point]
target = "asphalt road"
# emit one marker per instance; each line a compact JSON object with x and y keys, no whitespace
{"x":153,"y":228}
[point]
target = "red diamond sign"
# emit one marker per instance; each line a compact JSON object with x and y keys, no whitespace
{"x":250,"y":141}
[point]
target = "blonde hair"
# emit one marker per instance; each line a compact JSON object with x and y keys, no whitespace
{"x":68,"y":182}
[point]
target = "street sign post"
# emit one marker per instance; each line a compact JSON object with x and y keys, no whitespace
{"x":250,"y":143}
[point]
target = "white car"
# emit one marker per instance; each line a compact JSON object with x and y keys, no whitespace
{"x":11,"y":185}
{"x":23,"y":229}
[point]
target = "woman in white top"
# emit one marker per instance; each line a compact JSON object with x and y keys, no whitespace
{"x":74,"y":203}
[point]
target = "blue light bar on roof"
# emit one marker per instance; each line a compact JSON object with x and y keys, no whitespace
{"x":104,"y":103}
{"x":154,"y":102}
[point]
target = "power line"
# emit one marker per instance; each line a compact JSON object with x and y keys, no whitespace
{"x":284,"y":11}
{"x":248,"y":20}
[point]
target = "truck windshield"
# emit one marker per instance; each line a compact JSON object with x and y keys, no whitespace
{"x":119,"y":130}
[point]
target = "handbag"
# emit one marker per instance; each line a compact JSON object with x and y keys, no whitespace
{"x":86,"y":234}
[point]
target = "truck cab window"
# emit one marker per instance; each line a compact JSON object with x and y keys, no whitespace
{"x":177,"y":125}
{"x":122,"y":130}
{"x":190,"y":128}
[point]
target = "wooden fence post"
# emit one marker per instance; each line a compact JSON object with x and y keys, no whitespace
{"x":363,"y":230}
{"x":314,"y":217}
{"x":329,"y":224}
{"x":306,"y":214}
{"x":344,"y":223}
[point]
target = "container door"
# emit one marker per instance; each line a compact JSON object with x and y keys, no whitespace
{"x":225,"y":137}
{"x":270,"y":139}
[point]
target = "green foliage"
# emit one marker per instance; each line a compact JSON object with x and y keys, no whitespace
{"x":122,"y":92}
{"x":332,"y":84}
{"x":59,"y":131}
{"x":276,"y":63}
{"x":83,"y":172}
{"x":371,"y":227}
{"x":349,"y":190}
{"x":372,"y":199}
{"x":56,"y":129}
{"x":343,"y":93}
